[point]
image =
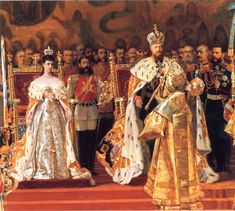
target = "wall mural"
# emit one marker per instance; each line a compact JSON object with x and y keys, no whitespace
{"x":28,"y":12}
{"x":38,"y":24}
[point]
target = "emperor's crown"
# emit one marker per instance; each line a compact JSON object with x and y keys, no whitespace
{"x":155,"y":37}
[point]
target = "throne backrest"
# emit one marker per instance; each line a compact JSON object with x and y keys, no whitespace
{"x":18,"y":84}
{"x":21,"y":82}
{"x":122,"y":75}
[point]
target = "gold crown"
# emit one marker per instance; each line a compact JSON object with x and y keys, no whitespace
{"x":155,"y":37}
{"x":48,"y":51}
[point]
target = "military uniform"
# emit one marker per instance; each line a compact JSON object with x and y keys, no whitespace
{"x":218,"y":85}
{"x":84,"y":89}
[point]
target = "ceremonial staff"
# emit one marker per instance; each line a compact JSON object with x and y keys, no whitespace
{"x":4,"y":82}
{"x":5,"y":94}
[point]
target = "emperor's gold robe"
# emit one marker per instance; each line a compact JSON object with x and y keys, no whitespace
{"x":120,"y":152}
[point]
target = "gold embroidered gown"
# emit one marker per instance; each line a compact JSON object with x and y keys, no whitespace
{"x":173,"y":181}
{"x":46,"y":151}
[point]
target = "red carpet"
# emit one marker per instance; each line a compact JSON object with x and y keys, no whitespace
{"x":106,"y":195}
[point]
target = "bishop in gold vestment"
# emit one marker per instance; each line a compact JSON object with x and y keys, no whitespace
{"x":172,"y":179}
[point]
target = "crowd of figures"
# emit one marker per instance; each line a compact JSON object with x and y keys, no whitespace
{"x":173,"y":128}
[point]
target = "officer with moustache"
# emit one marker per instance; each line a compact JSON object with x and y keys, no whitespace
{"x":83,"y":86}
{"x":218,"y":86}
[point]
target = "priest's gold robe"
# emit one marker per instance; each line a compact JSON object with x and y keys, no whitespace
{"x":172,"y":178}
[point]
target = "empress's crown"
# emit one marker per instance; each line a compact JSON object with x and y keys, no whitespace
{"x":156,"y":36}
{"x":48,"y":51}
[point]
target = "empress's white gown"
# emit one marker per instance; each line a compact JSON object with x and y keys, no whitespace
{"x":46,"y":150}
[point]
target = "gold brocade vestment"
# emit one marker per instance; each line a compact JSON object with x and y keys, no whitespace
{"x":172,"y":178}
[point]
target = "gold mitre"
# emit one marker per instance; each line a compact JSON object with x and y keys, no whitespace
{"x":196,"y":87}
{"x":176,"y":79}
{"x":155,"y":37}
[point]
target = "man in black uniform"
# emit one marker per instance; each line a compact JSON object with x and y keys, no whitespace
{"x":218,"y":84}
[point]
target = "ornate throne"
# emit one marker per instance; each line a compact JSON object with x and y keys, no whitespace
{"x":116,"y":88}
